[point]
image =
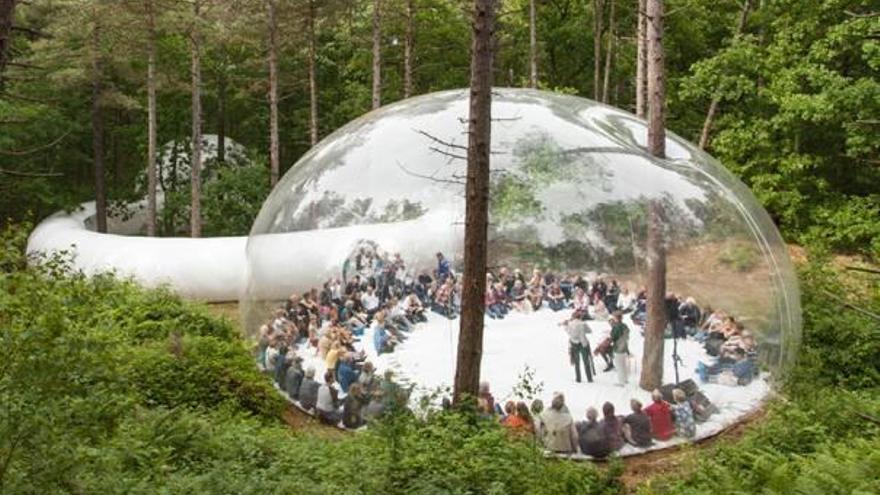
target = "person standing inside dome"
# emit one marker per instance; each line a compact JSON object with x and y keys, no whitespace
{"x":579,"y":348}
{"x":443,"y":270}
{"x":620,"y":346}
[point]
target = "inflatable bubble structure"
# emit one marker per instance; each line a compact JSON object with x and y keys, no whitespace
{"x":372,"y":208}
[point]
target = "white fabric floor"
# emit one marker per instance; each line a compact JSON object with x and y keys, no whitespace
{"x":536,"y":341}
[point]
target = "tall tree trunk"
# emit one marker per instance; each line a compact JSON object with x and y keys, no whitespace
{"x":195,"y":221}
{"x":716,"y":99}
{"x":377,"y":54}
{"x":98,"y":133}
{"x":470,"y":337}
{"x":533,"y":46}
{"x":151,"y":120}
{"x":7,"y":16}
{"x":652,"y":357}
{"x":221,"y":116}
{"x":274,"y":163}
{"x":642,"y":61}
{"x":609,"y":53}
{"x":656,"y":81}
{"x":313,"y":77}
{"x":597,"y":48}
{"x":408,"y":48}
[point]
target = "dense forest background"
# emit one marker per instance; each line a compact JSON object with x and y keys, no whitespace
{"x":790,"y":89}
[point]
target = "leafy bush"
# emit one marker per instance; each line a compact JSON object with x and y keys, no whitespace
{"x":823,"y":435}
{"x":231,"y":202}
{"x":106,"y":387}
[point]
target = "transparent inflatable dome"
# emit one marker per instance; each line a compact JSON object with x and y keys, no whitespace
{"x":374,"y":206}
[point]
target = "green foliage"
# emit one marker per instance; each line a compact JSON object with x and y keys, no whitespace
{"x":106,"y":387}
{"x":823,"y":435}
{"x":799,"y":95}
{"x":232,"y":200}
{"x":841,"y":347}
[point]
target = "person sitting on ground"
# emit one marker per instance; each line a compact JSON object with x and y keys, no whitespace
{"x":327,"y":404}
{"x":637,"y":426}
{"x":509,"y":411}
{"x":640,"y":311}
{"x":333,"y":355}
{"x":485,"y":393}
{"x":600,"y":288}
{"x":535,"y":296}
{"x":660,"y":413}
{"x":581,"y":305}
{"x":370,"y":301}
{"x":502,"y":301}
{"x":494,"y":309}
{"x":346,"y":371}
{"x":600,"y":312}
{"x":591,"y":436}
{"x":685,"y":425}
{"x":272,"y":356}
{"x":537,"y":279}
{"x":308,"y":390}
{"x":558,"y":431}
{"x":536,"y":409}
{"x":555,"y":297}
{"x":294,"y":379}
{"x":282,"y":363}
{"x":740,"y":372}
{"x":612,"y":297}
{"x":443,"y":303}
{"x":263,"y":345}
{"x":626,"y":301}
{"x":397,"y":314}
{"x":612,"y":426}
{"x":375,"y":407}
{"x":519,"y":299}
{"x":382,"y":340}
{"x":368,"y":379}
{"x":415,"y":312}
{"x":520,"y":420}
{"x":352,"y":407}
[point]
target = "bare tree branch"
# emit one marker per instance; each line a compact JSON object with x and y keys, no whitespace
{"x":16,"y":173}
{"x":850,"y":305}
{"x":34,"y":150}
{"x":440,"y":141}
{"x":432,"y":178}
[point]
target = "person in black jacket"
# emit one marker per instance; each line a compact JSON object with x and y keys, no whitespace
{"x":673,"y":317}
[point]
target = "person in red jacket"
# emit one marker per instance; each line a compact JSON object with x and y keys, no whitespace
{"x":661,"y":417}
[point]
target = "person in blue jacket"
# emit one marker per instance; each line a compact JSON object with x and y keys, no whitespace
{"x":443,"y":269}
{"x":381,"y":339}
{"x":346,"y":373}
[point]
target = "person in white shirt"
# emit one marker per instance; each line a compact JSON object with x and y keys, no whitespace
{"x":327,"y":407}
{"x":370,"y":301}
{"x":579,"y":348}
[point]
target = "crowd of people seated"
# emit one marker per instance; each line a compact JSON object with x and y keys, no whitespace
{"x":558,"y":432}
{"x":378,"y":303}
